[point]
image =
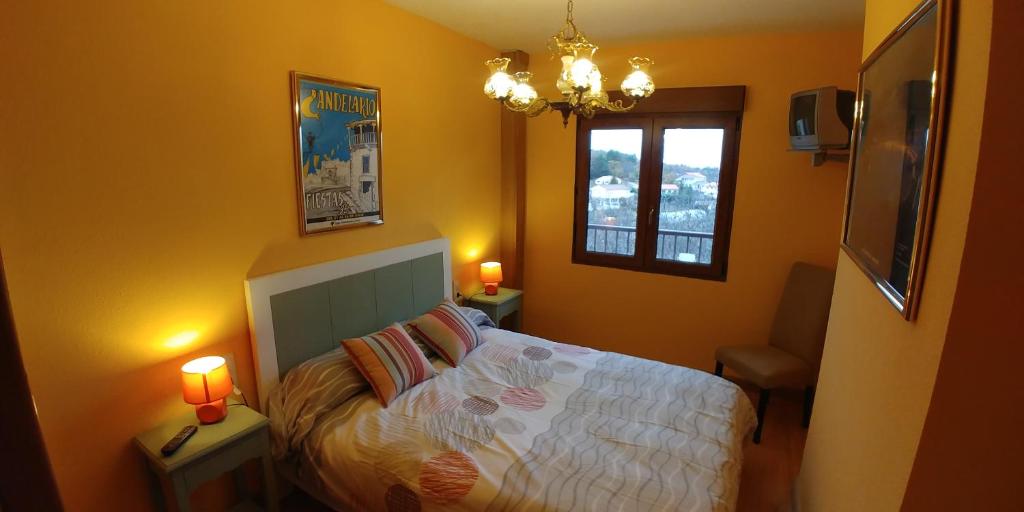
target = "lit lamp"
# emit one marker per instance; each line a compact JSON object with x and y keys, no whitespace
{"x":490,"y":275}
{"x":205,"y":383}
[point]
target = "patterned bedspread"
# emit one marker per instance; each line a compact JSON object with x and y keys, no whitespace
{"x":528,"y":424}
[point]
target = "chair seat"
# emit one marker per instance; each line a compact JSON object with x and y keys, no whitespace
{"x":764,"y":365}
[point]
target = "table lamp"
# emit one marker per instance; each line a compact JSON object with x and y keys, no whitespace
{"x":490,"y":275}
{"x":205,"y":383}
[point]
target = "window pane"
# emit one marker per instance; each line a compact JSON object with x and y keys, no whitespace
{"x":614,"y":182}
{"x":691,"y":165}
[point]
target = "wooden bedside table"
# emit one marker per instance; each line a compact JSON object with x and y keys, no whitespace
{"x":212,"y":451}
{"x":506,"y":302}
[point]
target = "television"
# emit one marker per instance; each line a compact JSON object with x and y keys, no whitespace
{"x":821,"y":119}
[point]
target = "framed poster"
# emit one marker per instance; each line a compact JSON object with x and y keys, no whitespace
{"x":896,"y":153}
{"x":337,"y":153}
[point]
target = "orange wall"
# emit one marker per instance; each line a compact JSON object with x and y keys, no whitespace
{"x":975,"y":416}
{"x":786,"y":210}
{"x":146,"y":156}
{"x":878,"y":370}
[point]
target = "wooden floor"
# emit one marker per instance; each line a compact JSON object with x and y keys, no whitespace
{"x":768,"y":468}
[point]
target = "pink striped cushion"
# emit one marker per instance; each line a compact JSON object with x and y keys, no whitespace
{"x":390,"y":361}
{"x":448,"y":332}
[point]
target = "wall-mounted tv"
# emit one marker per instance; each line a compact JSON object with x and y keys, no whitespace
{"x":821,"y":119}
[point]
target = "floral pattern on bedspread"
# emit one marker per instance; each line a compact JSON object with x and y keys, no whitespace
{"x":528,"y":424}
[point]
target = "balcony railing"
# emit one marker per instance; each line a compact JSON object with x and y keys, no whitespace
{"x":673,"y":245}
{"x":364,"y":139}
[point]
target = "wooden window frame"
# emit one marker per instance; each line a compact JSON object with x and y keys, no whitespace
{"x":692,"y":107}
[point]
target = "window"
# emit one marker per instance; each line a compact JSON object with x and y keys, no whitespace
{"x":654,"y":187}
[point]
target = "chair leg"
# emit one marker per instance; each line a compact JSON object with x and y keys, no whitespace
{"x":718,"y":368}
{"x":808,"y":404}
{"x":762,"y":406}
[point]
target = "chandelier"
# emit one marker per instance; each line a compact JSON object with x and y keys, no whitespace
{"x":580,"y":82}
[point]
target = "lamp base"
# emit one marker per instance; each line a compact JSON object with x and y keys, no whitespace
{"x":490,"y":288}
{"x":212,"y":412}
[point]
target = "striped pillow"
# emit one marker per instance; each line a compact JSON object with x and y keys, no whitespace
{"x":448,"y":332}
{"x":390,"y":361}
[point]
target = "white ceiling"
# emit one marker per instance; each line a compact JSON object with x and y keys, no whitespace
{"x":527,"y":24}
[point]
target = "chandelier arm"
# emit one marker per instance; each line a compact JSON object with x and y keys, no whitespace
{"x":617,"y":106}
{"x":538,"y":107}
{"x":533,"y":109}
{"x":508,"y":104}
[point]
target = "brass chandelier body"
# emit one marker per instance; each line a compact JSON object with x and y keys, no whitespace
{"x":580,"y":81}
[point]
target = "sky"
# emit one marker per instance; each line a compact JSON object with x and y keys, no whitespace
{"x":329,"y":129}
{"x":692,"y":147}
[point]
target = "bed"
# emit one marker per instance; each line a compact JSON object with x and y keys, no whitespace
{"x":523,"y":423}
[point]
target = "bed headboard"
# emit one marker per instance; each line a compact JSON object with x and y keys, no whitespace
{"x":298,"y":314}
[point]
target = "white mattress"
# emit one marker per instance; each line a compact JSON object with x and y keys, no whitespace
{"x":528,"y":424}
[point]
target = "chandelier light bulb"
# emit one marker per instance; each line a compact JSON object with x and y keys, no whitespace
{"x":523,"y":94}
{"x":596,"y":87}
{"x":595,"y":80}
{"x":597,"y":91}
{"x":592,"y":95}
{"x":499,"y":85}
{"x":579,"y":74}
{"x":563,"y":84}
{"x":638,"y":83}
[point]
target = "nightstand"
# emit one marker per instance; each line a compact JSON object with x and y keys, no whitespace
{"x":213,"y":450}
{"x":506,"y":302}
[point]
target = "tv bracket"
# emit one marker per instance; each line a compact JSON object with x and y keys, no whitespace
{"x":820,"y":156}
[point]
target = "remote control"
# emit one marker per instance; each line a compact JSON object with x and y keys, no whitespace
{"x":178,"y":440}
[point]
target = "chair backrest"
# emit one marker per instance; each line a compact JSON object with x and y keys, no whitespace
{"x":802,"y":316}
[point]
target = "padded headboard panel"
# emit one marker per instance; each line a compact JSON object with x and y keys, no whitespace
{"x":312,"y":320}
{"x":302,"y":313}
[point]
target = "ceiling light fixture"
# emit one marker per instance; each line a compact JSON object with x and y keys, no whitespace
{"x":580,"y":82}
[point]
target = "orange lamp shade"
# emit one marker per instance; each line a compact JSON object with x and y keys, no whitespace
{"x":490,"y":275}
{"x":205,"y":383}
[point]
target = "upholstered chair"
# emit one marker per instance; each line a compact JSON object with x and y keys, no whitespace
{"x":793,"y":353}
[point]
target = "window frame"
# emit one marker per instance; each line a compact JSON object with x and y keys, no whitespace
{"x":634,"y":262}
{"x":693,"y":108}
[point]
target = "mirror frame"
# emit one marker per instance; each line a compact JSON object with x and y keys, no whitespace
{"x":907,"y":303}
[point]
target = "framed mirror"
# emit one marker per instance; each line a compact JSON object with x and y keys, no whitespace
{"x":896,"y":153}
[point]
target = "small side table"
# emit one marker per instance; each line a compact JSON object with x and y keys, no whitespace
{"x":506,"y":302}
{"x":212,"y":451}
